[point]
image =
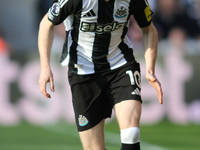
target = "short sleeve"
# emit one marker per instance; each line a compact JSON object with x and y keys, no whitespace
{"x":142,"y":12}
{"x":60,"y":10}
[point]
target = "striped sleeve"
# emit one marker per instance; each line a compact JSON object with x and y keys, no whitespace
{"x":60,"y":10}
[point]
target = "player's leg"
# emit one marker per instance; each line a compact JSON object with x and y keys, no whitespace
{"x":125,"y":89}
{"x":93,"y":139}
{"x":128,"y":115}
{"x":90,"y":111}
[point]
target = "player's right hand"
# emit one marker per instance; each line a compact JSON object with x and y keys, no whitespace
{"x":46,"y":76}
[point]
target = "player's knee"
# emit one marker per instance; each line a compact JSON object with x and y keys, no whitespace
{"x":130,"y":135}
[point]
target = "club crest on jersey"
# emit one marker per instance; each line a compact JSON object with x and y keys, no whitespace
{"x":82,"y":120}
{"x":55,"y":9}
{"x":121,"y":13}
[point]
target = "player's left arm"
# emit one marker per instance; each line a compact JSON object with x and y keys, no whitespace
{"x":150,"y":38}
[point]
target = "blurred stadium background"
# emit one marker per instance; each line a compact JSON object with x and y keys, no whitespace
{"x":28,"y":121}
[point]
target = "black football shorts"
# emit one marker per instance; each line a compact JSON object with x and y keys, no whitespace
{"x":95,"y":95}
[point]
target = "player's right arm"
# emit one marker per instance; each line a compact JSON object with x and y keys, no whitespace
{"x":45,"y":40}
{"x":57,"y":13}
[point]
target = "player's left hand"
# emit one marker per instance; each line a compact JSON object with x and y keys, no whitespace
{"x":156,"y":84}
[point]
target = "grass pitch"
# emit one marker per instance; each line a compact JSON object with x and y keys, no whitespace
{"x":62,"y":136}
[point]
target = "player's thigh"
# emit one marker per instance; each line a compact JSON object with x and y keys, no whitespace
{"x":128,"y":113}
{"x":93,"y":138}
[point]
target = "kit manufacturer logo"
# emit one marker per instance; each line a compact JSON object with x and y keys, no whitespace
{"x":90,"y":14}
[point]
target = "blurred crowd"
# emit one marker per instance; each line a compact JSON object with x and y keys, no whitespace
{"x":182,"y":14}
{"x":3,"y":45}
{"x":175,"y":20}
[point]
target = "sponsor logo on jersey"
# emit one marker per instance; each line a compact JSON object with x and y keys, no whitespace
{"x":121,"y":13}
{"x":55,"y":9}
{"x":82,"y":120}
{"x":101,"y":28}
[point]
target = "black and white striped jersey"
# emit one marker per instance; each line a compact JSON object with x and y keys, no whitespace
{"x":99,"y":41}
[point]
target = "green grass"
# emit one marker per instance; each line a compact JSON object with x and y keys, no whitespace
{"x":65,"y":137}
{"x":174,"y":137}
{"x":29,"y":137}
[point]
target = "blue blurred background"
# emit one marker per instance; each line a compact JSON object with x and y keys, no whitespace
{"x":23,"y":108}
